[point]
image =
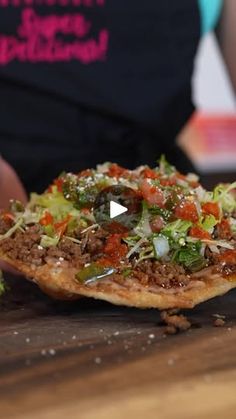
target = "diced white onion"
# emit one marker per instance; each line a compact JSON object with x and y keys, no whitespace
{"x":161,"y":246}
{"x":143,"y":228}
{"x":214,"y":249}
{"x":203,"y":248}
{"x":103,"y":168}
{"x":200,"y":192}
{"x":182,"y":182}
{"x":219,"y":243}
{"x":192,"y":177}
{"x":198,"y":207}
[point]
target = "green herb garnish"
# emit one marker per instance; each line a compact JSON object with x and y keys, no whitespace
{"x":190,"y":257}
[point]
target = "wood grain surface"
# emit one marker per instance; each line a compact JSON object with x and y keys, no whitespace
{"x":91,"y":360}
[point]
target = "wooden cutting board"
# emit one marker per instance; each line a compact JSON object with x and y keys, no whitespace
{"x":91,"y":360}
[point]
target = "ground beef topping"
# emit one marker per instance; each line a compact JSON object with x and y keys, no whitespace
{"x":68,"y":251}
{"x":225,"y":269}
{"x":25,"y":246}
{"x":175,"y":322}
{"x":224,"y":266}
{"x":152,"y":272}
{"x":94,"y":242}
{"x":89,"y":248}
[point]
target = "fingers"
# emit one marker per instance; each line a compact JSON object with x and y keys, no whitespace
{"x":5,"y":267}
{"x":10,"y":185}
{"x":10,"y":188}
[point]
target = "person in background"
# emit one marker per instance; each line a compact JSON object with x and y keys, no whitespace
{"x":87,"y":81}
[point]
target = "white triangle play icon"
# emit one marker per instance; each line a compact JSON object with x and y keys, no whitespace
{"x":116,"y":209}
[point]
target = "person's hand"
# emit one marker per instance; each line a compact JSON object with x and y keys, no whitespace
{"x":10,"y":188}
{"x":10,"y":185}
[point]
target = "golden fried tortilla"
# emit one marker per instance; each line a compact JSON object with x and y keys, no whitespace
{"x":61,"y":283}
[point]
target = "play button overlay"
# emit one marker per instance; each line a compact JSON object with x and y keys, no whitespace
{"x":118,"y":209}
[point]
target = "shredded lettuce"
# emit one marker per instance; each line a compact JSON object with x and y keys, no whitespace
{"x":146,"y":253}
{"x":16,"y":206}
{"x":49,"y":230}
{"x":12,"y":230}
{"x":209,"y":223}
{"x":131,"y":240}
{"x":31,"y":216}
{"x":47,"y":199}
{"x":222,"y":194}
{"x":76,"y":223}
{"x":47,"y":241}
{"x":143,"y":229}
{"x":136,"y":248}
{"x":233,"y":224}
{"x":177,"y":229}
{"x":55,"y":203}
{"x":203,"y":195}
{"x":171,"y":243}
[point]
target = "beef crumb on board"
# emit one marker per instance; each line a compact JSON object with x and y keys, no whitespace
{"x":175,"y":322}
{"x":219,"y":322}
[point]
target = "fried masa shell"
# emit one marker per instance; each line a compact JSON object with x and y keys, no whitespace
{"x":61,"y":283}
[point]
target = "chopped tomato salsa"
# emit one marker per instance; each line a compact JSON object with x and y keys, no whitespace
{"x":58,"y":183}
{"x":59,"y":227}
{"x":229,"y":256}
{"x":85,"y":173}
{"x":211,"y":208}
{"x":152,"y":194}
{"x":172,"y":229}
{"x":7,"y":216}
{"x":199,"y":233}
{"x":46,"y":219}
{"x":170,"y":181}
{"x":62,"y":225}
{"x":116,"y":171}
{"x":114,"y":250}
{"x":150,"y":174}
{"x":187,"y":210}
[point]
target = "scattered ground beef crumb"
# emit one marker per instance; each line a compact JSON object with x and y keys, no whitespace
{"x":219,"y":322}
{"x":175,"y":322}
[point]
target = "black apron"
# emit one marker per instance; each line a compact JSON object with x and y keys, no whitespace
{"x":87,"y":81}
